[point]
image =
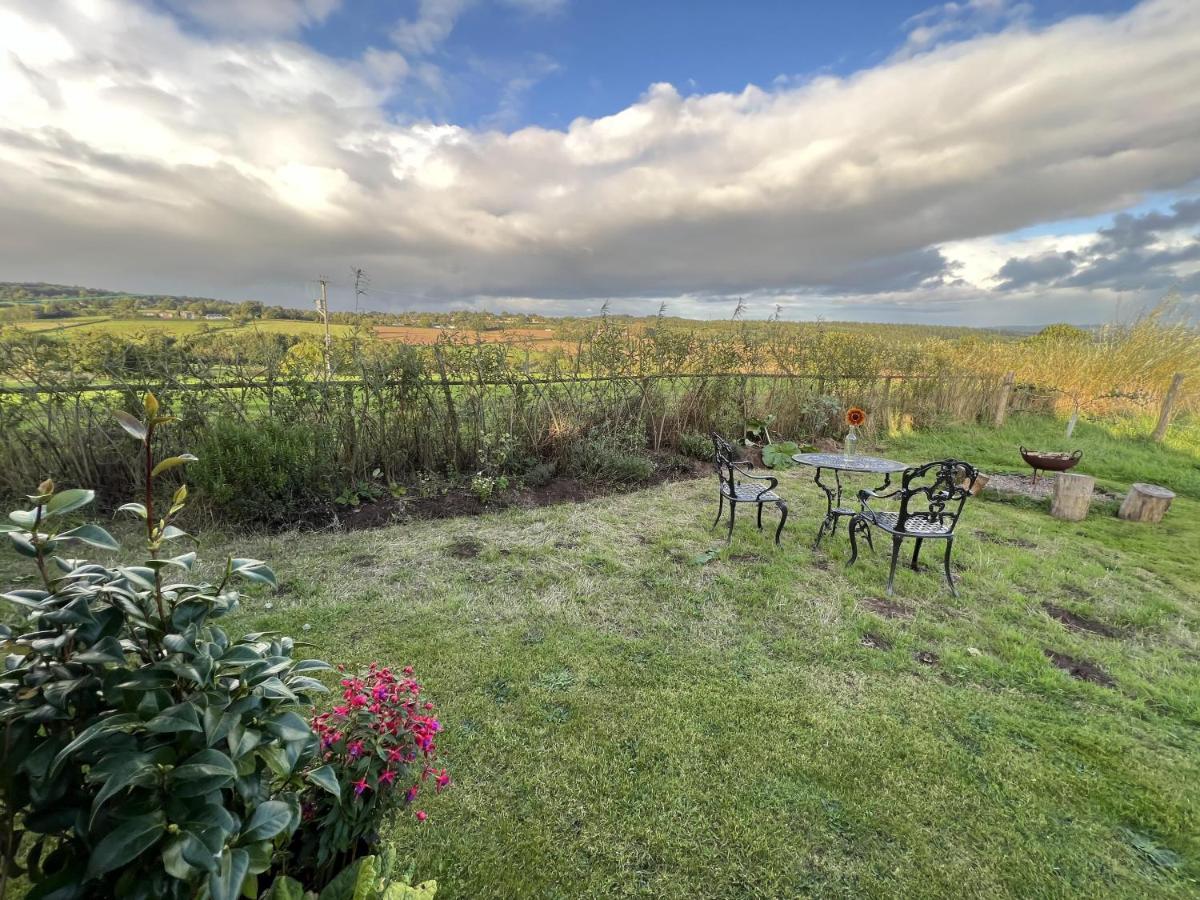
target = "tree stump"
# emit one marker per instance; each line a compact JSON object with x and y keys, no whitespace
{"x":1146,"y":503}
{"x":981,"y":481}
{"x":1072,"y":496}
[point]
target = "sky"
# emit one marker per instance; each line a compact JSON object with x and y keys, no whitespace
{"x":981,"y":162}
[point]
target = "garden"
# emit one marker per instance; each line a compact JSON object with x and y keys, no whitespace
{"x":223,"y":678}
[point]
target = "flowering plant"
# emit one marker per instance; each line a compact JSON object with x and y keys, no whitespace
{"x":380,"y":740}
{"x":855,"y":416}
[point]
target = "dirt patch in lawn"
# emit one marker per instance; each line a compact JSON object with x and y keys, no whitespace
{"x":1024,"y":486}
{"x":1080,"y":623}
{"x":461,"y":502}
{"x":464,"y":548}
{"x":885,"y":608}
{"x":875,"y":641}
{"x":988,"y":538}
{"x":1080,"y":668}
{"x":926,"y":657}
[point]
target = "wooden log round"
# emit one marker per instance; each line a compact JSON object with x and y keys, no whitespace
{"x":1146,"y":503}
{"x":1072,"y":496}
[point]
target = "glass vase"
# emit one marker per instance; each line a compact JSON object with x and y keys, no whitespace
{"x":850,"y":447}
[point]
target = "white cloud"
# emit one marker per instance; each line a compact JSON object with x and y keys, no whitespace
{"x":269,"y":16}
{"x":138,"y":155}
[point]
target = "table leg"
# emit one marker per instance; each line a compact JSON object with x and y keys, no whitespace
{"x":833,"y":499}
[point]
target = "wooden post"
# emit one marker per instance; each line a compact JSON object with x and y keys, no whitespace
{"x":1145,"y":503}
{"x":1072,"y":496}
{"x":1164,"y":415}
{"x":1002,"y":400}
{"x":885,"y":403}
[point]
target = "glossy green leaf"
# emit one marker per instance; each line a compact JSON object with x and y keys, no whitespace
{"x":170,"y":463}
{"x":138,"y":509}
{"x":126,"y":842}
{"x":181,"y":717}
{"x":226,"y":882}
{"x":285,"y":888}
{"x":325,"y":778}
{"x":93,"y":733}
{"x":269,"y":819}
{"x":130,"y":424}
{"x":106,"y":650}
{"x":93,"y":535}
{"x":69,"y":500}
{"x":208,"y":770}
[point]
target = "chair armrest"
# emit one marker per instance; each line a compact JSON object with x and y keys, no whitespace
{"x":864,"y":495}
{"x":774,"y":482}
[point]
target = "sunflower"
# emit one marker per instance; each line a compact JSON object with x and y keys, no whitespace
{"x":855,"y":416}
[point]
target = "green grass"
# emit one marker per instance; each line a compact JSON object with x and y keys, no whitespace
{"x":625,"y":722}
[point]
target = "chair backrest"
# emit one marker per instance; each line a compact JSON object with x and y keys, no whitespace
{"x":724,"y":457}
{"x":936,"y":492}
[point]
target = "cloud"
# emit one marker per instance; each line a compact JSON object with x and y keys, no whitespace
{"x":239,"y":164}
{"x":1151,"y":251}
{"x":256,"y":16}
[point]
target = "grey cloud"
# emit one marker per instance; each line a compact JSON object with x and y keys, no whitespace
{"x":1122,"y":257}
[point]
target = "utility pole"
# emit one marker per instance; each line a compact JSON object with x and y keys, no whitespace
{"x":323,"y":309}
{"x":361,"y":281}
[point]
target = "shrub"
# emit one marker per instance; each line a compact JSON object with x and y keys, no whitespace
{"x":696,"y":446}
{"x":380,"y":740}
{"x":268,"y":473}
{"x":145,"y":753}
{"x":540,"y":474}
{"x":610,"y":457}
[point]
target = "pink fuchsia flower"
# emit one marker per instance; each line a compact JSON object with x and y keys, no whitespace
{"x":387,"y":776}
{"x":360,"y":786}
{"x":408,"y":670}
{"x":443,"y":780}
{"x":395,"y":754}
{"x":341,"y":711}
{"x":422,"y":815}
{"x":411,"y":794}
{"x":355,"y":749}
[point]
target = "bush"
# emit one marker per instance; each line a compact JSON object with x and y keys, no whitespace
{"x":380,"y":738}
{"x":145,"y":753}
{"x":696,"y":446}
{"x":610,"y":457}
{"x":268,"y":473}
{"x":540,"y":474}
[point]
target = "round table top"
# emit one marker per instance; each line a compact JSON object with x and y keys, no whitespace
{"x":843,"y":463}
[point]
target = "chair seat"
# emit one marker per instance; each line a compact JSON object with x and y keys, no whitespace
{"x":750,"y":492}
{"x":915,"y":525}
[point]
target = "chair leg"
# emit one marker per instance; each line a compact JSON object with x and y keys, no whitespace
{"x":720,"y":512}
{"x":732,"y":516}
{"x":896,"y":539}
{"x":949,"y":577}
{"x":760,"y":506}
{"x":916,"y":553}
{"x":783,"y":513}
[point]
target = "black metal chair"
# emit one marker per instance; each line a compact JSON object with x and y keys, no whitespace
{"x":931,"y":497}
{"x":728,"y":468}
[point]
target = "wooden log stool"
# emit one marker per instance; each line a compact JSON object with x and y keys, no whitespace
{"x":1146,"y":503}
{"x":1072,"y":496}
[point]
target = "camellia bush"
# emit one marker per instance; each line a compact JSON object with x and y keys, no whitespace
{"x":144,"y":752}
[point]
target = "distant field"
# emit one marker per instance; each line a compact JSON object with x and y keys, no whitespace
{"x":178,"y":327}
{"x":413,"y":335}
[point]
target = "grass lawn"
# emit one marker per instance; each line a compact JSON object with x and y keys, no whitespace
{"x":624,"y":720}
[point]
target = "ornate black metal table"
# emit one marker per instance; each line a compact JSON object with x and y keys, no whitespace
{"x":833,"y":494}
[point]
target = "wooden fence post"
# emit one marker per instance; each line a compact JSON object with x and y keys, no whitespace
{"x":885,"y":405}
{"x":1164,"y":415}
{"x":1002,"y":400}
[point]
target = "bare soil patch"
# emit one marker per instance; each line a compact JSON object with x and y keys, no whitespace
{"x":988,"y":538}
{"x":886,"y":608}
{"x":1080,"y":668}
{"x":460,"y":502}
{"x":926,"y":658}
{"x":875,"y":641}
{"x":464,"y":548}
{"x":1025,"y":486}
{"x":1080,"y":623}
